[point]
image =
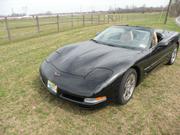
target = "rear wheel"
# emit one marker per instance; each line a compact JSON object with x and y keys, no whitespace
{"x":173,"y":56}
{"x":126,"y":86}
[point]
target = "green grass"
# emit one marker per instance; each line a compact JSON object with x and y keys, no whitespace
{"x":26,"y":107}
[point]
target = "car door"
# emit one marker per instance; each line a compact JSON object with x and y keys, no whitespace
{"x":157,"y":55}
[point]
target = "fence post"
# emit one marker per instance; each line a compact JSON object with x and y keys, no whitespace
{"x":104,"y":18}
{"x":37,"y":24}
{"x":7,"y":29}
{"x":108,"y":18}
{"x":58,"y":22}
{"x":72,"y":23}
{"x":62,"y":21}
{"x":92,"y":19}
{"x":98,"y":19}
{"x":83,"y":20}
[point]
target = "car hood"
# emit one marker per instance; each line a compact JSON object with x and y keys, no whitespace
{"x":81,"y":58}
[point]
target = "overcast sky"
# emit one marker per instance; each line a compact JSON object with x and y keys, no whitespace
{"x":59,"y":6}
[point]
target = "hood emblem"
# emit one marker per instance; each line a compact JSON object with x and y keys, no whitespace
{"x":57,"y":74}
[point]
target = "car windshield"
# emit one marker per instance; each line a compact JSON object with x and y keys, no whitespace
{"x":127,"y":37}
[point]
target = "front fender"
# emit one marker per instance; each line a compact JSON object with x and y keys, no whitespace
{"x":117,"y":74}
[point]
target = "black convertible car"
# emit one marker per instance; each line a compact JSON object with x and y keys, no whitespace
{"x":109,"y":66}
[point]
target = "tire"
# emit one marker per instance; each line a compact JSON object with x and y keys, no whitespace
{"x":173,"y":56}
{"x":122,"y":91}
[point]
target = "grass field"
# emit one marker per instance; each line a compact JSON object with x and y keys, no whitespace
{"x":29,"y":109}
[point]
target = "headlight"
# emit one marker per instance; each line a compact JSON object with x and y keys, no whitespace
{"x":99,"y":74}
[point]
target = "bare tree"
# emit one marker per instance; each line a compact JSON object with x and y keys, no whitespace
{"x":175,"y":8}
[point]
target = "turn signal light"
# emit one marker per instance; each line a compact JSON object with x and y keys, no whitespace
{"x":95,"y":100}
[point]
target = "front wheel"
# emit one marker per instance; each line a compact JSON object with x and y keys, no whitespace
{"x":173,"y":56}
{"x":126,"y":86}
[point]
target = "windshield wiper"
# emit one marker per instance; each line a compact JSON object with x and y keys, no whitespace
{"x":109,"y":44}
{"x":94,"y":40}
{"x":103,"y":43}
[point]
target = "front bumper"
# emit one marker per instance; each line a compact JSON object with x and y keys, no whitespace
{"x":66,"y":95}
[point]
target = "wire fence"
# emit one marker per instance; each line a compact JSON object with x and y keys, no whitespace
{"x":18,"y":28}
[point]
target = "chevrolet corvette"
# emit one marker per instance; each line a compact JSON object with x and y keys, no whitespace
{"x":109,"y":66}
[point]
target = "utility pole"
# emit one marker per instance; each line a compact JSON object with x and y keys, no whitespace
{"x":165,"y":21}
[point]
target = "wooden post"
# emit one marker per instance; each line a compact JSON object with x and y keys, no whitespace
{"x":7,"y":29}
{"x":72,"y":23}
{"x":98,"y":19}
{"x":62,"y":22}
{"x":104,"y":18}
{"x":37,"y":24}
{"x":83,"y":20}
{"x":58,"y":23}
{"x":165,"y":21}
{"x":108,"y":18}
{"x":91,"y":19}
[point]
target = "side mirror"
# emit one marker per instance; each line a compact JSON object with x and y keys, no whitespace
{"x":97,"y":33}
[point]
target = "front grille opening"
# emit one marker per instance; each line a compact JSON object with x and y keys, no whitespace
{"x":73,"y":97}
